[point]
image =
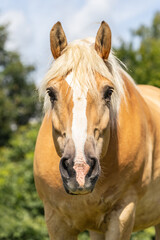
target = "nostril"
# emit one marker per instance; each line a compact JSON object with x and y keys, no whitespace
{"x":65,"y":163}
{"x":93,"y":162}
{"x":66,"y":167}
{"x":94,"y":166}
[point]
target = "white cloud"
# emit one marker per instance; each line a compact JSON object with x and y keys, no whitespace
{"x":85,"y":21}
{"x":31,"y":21}
{"x":17,"y":27}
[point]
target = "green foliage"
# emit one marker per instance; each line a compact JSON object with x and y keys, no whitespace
{"x":18,"y":102}
{"x":21,"y":211}
{"x":84,"y":236}
{"x":148,"y":234}
{"x":144,"y":62}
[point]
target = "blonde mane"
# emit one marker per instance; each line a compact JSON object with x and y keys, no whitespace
{"x":81,"y":58}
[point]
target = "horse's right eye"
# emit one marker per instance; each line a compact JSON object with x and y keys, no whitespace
{"x":108,"y":93}
{"x":51,"y":94}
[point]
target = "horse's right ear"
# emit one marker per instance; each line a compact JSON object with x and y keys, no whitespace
{"x":58,"y":40}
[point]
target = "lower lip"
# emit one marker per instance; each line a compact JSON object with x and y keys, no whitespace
{"x":80,"y":192}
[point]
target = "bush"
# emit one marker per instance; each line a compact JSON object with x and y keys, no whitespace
{"x":21,"y":211}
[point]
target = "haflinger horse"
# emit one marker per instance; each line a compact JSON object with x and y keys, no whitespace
{"x":97,"y":156}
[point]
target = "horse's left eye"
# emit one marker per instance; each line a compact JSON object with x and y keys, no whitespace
{"x":108,"y":92}
{"x":51,"y":94}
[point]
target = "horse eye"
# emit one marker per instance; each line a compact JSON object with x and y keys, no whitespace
{"x":51,"y":94}
{"x":108,"y":92}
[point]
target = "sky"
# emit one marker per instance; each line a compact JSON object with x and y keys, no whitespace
{"x":30,"y":22}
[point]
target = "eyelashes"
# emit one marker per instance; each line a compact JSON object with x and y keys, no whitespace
{"x":52,"y":94}
{"x":108,"y":93}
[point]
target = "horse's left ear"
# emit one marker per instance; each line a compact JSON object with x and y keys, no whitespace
{"x":58,"y":40}
{"x":103,"y":40}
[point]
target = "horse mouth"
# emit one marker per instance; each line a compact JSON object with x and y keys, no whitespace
{"x":73,"y":188}
{"x":79,"y":179}
{"x":80,"y":192}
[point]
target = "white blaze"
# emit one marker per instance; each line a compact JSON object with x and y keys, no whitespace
{"x":79,"y":128}
{"x":79,"y":122}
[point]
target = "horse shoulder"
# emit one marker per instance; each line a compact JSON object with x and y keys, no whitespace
{"x":151,"y":96}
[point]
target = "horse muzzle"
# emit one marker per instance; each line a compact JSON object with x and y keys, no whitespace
{"x":79,"y":175}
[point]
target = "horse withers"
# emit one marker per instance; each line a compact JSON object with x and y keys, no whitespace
{"x":97,"y":156}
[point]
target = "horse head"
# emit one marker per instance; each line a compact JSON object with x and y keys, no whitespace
{"x":81,"y":97}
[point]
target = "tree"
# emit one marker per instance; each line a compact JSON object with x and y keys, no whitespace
{"x":143,"y":62}
{"x":18,"y":103}
{"x":21,"y":211}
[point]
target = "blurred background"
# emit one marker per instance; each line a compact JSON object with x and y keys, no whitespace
{"x":24,"y":59}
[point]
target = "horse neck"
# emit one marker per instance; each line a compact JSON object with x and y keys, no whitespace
{"x":128,"y":135}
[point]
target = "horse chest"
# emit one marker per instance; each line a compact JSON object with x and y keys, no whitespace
{"x":82,"y":212}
